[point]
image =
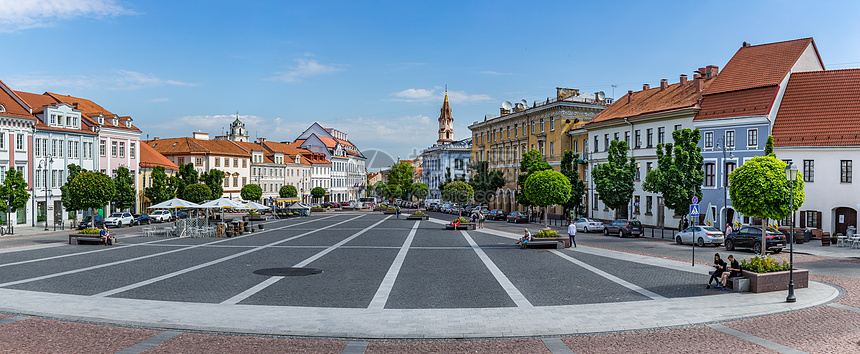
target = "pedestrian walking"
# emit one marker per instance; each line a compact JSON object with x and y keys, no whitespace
{"x":728,"y":228}
{"x":481,"y":218}
{"x":397,"y":209}
{"x":571,"y":232}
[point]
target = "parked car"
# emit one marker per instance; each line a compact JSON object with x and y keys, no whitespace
{"x":705,"y":235}
{"x":161,"y":216}
{"x":432,"y":207}
{"x":750,"y":237}
{"x":119,"y":219}
{"x":142,"y":219}
{"x":624,"y":227}
{"x":497,"y":214}
{"x":85,"y":223}
{"x":179,"y":215}
{"x":588,"y":225}
{"x":517,"y":216}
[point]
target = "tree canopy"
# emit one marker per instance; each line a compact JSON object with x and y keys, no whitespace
{"x":759,"y":188}
{"x":13,"y":191}
{"x":69,"y":203}
{"x":613,"y":180}
{"x":288,"y":191}
{"x":547,"y":187}
{"x":92,"y":190}
{"x":678,"y":175}
{"x":186,"y":176}
{"x":318,"y":192}
{"x":458,"y":192}
{"x":401,"y":174}
{"x":160,"y":189}
{"x":531,"y":162}
{"x":214,"y":179}
{"x":577,"y":186}
{"x":251,"y":192}
{"x":197,"y":193}
{"x":123,"y":184}
{"x":485,"y":183}
{"x":420,"y":190}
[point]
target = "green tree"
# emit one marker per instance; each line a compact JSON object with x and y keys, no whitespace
{"x":186,"y":176}
{"x":768,"y":147}
{"x":531,"y":162}
{"x":197,"y":193}
{"x":613,"y":180}
{"x":388,"y":191}
{"x":69,"y":203}
{"x":458,"y":192}
{"x":401,"y":174}
{"x":420,"y":190}
{"x":577,"y":187}
{"x":485,"y":182}
{"x":13,"y":192}
{"x":545,"y":188}
{"x":251,"y":192}
{"x":123,"y":184}
{"x":288,"y":191}
{"x":160,"y":190}
{"x":679,"y":174}
{"x":759,"y":188}
{"x":318,"y":192}
{"x":214,"y":179}
{"x":92,"y":190}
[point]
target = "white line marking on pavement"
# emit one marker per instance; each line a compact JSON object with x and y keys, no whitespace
{"x":755,"y":339}
{"x":79,"y":270}
{"x":381,"y":296}
{"x":266,"y":283}
{"x":611,"y":277}
{"x":506,"y":284}
{"x":102,"y":249}
{"x":219,"y":260}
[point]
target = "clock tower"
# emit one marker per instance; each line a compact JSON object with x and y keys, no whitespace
{"x":446,"y":123}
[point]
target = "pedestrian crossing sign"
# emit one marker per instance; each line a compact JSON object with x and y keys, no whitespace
{"x":694,"y":209}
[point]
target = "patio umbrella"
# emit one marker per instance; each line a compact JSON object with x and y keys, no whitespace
{"x":221,"y":203}
{"x":709,"y":216}
{"x":737,"y":220}
{"x":173,"y":204}
{"x":255,"y":205}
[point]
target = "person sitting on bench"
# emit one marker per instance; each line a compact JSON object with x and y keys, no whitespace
{"x":720,"y":267}
{"x":734,"y":270}
{"x":527,"y":236}
{"x":105,"y":235}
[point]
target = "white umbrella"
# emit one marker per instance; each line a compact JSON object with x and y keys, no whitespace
{"x":255,"y":205}
{"x":219,"y":203}
{"x":174,"y":203}
{"x":709,"y":216}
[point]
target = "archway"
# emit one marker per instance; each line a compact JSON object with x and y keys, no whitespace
{"x":844,"y":217}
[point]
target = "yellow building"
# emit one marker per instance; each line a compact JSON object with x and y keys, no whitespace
{"x":149,"y":158}
{"x":551,"y":127}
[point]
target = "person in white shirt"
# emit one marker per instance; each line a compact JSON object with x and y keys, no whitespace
{"x":571,"y":232}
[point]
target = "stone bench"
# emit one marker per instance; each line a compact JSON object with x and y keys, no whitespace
{"x":559,"y":245}
{"x":86,"y":238}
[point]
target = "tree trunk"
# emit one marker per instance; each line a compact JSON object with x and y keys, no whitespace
{"x":545,"y":218}
{"x":763,"y":237}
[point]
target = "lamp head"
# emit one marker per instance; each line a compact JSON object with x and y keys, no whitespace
{"x":790,"y":172}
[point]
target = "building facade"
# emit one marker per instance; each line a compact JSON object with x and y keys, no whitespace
{"x":16,"y":144}
{"x":438,"y":161}
{"x":348,"y":172}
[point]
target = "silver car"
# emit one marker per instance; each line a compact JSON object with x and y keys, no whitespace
{"x":705,"y":235}
{"x":588,"y":225}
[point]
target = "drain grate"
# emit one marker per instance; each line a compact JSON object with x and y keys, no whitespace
{"x":287,"y":272}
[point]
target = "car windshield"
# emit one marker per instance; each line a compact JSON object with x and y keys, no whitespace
{"x":711,"y":228}
{"x":116,"y":215}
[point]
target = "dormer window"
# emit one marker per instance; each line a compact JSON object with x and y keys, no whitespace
{"x":101,"y":120}
{"x":2,"y":109}
{"x":113,"y":121}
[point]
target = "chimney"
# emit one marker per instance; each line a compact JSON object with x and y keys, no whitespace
{"x":713,"y":70}
{"x":664,"y":83}
{"x":629,"y":96}
{"x":697,"y":82}
{"x":645,"y":87}
{"x":155,"y":138}
{"x":200,"y":136}
{"x":260,"y":140}
{"x":746,"y":44}
{"x":683,"y":79}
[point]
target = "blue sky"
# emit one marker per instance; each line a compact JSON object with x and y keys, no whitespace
{"x":377,"y":70}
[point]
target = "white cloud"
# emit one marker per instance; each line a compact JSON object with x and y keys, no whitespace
{"x":493,"y":73}
{"x":256,"y":126}
{"x":118,"y":80}
{"x":436,"y":95}
{"x":306,"y":68}
{"x":23,"y":14}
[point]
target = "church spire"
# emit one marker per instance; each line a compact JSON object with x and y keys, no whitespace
{"x":446,"y":122}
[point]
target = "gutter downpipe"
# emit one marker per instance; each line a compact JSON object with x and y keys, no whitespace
{"x":630,"y":216}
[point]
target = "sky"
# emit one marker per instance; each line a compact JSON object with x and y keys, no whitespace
{"x":377,"y":70}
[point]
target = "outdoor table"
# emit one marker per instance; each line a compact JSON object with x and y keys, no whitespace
{"x":841,"y":241}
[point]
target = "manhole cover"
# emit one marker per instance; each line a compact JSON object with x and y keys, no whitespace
{"x":287,"y":272}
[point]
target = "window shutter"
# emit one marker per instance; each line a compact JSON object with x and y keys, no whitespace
{"x":802,"y":219}
{"x":818,"y":220}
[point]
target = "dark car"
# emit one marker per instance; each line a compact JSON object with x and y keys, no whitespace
{"x":749,"y":237}
{"x":142,"y":219}
{"x":497,"y":214}
{"x":623,"y":228}
{"x":179,"y":215}
{"x":518,"y":217}
{"x":99,"y":222}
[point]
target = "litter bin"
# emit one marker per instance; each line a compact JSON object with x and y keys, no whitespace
{"x":807,"y":235}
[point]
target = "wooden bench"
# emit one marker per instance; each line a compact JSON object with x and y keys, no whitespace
{"x":559,"y":245}
{"x":86,"y":238}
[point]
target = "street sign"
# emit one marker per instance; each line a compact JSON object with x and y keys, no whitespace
{"x":695,"y":200}
{"x":694,"y":210}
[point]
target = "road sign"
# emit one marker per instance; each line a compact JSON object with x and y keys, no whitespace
{"x":694,"y":209}
{"x":695,"y":200}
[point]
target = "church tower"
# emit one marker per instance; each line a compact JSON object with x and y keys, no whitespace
{"x":446,"y":123}
{"x":237,"y":131}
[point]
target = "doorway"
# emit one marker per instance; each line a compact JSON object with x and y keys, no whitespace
{"x":845,"y":217}
{"x":660,"y":211}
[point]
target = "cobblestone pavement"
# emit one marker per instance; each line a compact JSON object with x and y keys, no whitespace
{"x":51,"y":292}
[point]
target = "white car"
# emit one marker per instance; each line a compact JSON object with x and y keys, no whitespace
{"x":119,"y":219}
{"x":161,"y":216}
{"x":705,"y":235}
{"x":588,"y":225}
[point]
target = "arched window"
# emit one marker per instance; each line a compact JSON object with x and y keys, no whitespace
{"x":2,"y":109}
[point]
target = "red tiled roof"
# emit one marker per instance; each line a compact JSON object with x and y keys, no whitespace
{"x":90,"y":109}
{"x":12,"y":107}
{"x":38,"y":103}
{"x":150,"y":158}
{"x":654,"y":100}
{"x":184,"y":146}
{"x":759,"y":65}
{"x":820,"y":108}
{"x":289,"y":150}
{"x":742,"y":103}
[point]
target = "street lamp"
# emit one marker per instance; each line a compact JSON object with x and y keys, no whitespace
{"x":791,"y":176}
{"x":720,"y":142}
{"x":49,"y":160}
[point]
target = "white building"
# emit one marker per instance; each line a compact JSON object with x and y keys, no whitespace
{"x":348,"y":173}
{"x":16,"y":140}
{"x":440,"y":159}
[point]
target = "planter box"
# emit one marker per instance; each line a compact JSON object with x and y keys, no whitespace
{"x":380,"y":209}
{"x":463,"y":226}
{"x":418,"y":217}
{"x":389,"y":212}
{"x":776,"y":281}
{"x":566,"y":240}
{"x":256,"y":218}
{"x":317,"y":210}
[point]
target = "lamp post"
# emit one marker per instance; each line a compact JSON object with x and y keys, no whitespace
{"x":721,"y":142}
{"x":49,"y":160}
{"x":791,"y":176}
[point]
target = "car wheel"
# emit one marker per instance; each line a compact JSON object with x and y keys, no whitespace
{"x":678,"y":240}
{"x":585,"y":229}
{"x":777,"y":250}
{"x":730,"y":245}
{"x":701,"y":242}
{"x":757,"y":248}
{"x":606,"y":232}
